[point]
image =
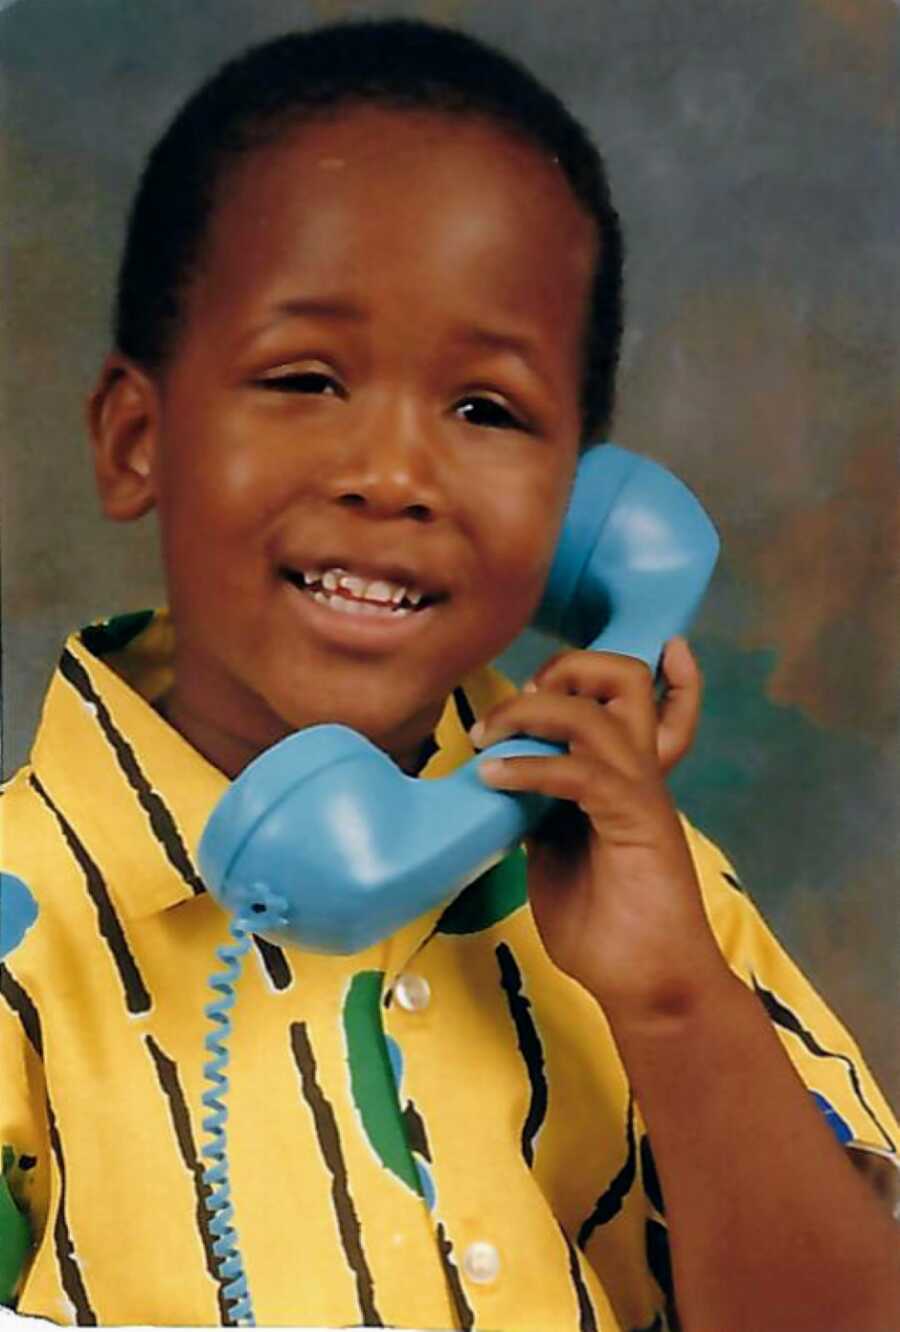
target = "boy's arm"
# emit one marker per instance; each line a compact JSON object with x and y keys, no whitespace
{"x":771,"y":1228}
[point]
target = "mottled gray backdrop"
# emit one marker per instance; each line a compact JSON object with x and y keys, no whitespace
{"x":754,"y":149}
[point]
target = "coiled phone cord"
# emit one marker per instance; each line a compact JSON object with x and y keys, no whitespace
{"x":262,"y":909}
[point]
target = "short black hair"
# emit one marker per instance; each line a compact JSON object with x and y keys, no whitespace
{"x":397,"y":63}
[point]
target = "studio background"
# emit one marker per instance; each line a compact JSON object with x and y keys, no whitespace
{"x":754,"y":153}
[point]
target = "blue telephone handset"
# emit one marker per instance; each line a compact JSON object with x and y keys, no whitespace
{"x":322,"y":841}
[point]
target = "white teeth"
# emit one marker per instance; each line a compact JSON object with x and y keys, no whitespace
{"x":349,"y":607}
{"x":378,"y":591}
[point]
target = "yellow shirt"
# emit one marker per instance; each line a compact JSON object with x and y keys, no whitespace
{"x":435,"y":1133}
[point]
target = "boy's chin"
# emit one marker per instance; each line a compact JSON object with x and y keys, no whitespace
{"x":401,"y":727}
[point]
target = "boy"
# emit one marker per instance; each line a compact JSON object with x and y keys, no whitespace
{"x":368,"y":314}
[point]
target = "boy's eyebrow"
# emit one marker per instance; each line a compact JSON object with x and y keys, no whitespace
{"x":336,"y":307}
{"x":527,"y":349}
{"x":478,"y":336}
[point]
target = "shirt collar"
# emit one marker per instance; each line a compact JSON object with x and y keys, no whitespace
{"x":136,"y":792}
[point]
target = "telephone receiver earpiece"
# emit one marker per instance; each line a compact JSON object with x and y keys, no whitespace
{"x":353,"y":847}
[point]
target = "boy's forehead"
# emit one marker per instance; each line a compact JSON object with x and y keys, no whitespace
{"x":367,"y":186}
{"x":407,"y":159}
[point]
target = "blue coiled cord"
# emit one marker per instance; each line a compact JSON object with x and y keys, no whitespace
{"x":257,"y":910}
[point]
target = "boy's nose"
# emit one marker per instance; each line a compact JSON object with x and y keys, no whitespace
{"x":390,"y":470}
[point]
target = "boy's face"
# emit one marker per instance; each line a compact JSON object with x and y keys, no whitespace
{"x":379,"y":371}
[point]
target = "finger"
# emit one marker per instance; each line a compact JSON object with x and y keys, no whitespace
{"x":622,"y":684}
{"x":606,"y":796}
{"x":564,"y":778}
{"x":601,"y":675}
{"x":679,"y":707}
{"x":576,"y":722}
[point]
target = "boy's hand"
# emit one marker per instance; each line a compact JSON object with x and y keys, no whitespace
{"x":610,"y":876}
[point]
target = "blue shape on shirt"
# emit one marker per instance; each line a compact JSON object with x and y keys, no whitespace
{"x":838,"y":1125}
{"x":395,"y":1055}
{"x":18,"y":912}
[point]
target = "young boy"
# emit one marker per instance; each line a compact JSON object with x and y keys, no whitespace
{"x":368,"y":316}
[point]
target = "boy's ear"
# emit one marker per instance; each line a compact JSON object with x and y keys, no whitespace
{"x":123,"y":421}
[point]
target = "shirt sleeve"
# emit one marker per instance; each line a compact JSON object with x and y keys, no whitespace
{"x":24,"y":1140}
{"x":824,"y":1054}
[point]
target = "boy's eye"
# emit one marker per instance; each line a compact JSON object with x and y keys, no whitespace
{"x":479,"y":410}
{"x":316,"y":383}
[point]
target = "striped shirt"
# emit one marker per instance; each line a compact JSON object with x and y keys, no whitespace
{"x":435,"y":1133}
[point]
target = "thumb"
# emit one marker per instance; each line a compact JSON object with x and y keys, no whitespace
{"x":679,"y":707}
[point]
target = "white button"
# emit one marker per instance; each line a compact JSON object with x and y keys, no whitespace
{"x":481,"y":1262}
{"x":412,"y":992}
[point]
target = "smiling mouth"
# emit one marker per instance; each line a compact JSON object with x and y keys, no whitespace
{"x":351,"y":595}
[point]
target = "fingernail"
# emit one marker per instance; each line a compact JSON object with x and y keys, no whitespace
{"x":529,"y":687}
{"x":476,"y":733}
{"x":491,"y":769}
